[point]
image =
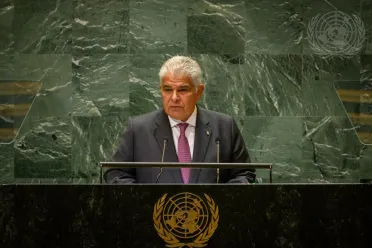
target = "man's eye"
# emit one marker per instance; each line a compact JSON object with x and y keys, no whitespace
{"x":183,"y":90}
{"x":167,"y":90}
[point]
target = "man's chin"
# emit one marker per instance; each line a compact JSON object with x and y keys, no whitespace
{"x":175,"y":113}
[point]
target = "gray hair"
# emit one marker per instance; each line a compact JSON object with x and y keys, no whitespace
{"x":182,"y":66}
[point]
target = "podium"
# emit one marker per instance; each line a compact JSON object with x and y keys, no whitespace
{"x":158,"y":216}
{"x":265,"y":166}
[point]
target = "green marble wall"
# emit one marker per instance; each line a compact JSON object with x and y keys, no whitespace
{"x":98,"y":61}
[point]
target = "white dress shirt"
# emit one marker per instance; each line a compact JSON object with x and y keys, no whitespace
{"x":189,"y":132}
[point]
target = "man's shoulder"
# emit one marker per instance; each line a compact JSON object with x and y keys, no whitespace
{"x":216,"y":115}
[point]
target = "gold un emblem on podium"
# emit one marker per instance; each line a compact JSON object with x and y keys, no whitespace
{"x":185,"y":219}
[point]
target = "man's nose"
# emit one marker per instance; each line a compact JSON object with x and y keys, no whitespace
{"x":174,"y":95}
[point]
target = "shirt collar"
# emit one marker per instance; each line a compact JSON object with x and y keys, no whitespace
{"x":191,"y":121}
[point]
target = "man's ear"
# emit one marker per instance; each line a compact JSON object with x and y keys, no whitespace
{"x":200,"y":88}
{"x":200,"y":91}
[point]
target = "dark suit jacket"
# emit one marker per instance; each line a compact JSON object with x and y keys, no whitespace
{"x":143,"y":142}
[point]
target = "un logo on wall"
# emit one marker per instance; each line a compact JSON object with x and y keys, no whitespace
{"x":185,"y":219}
{"x":336,"y":34}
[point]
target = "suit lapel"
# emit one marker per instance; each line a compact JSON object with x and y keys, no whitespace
{"x":203,"y":133}
{"x":163,"y":130}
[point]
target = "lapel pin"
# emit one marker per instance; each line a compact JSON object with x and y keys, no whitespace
{"x":208,"y":133}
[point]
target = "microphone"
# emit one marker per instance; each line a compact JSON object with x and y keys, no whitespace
{"x":164,"y":145}
{"x":165,"y":140}
{"x":217,"y":140}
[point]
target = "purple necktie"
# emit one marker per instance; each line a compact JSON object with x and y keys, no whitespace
{"x":184,"y":152}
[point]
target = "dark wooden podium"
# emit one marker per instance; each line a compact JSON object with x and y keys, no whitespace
{"x":144,"y":216}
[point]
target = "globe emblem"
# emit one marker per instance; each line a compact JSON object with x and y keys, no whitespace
{"x":185,"y":215}
{"x":336,"y":33}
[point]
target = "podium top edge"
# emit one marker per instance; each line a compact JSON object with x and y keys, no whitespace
{"x":159,"y":163}
{"x":193,"y":164}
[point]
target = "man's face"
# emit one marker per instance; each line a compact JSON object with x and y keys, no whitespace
{"x":179,"y":96}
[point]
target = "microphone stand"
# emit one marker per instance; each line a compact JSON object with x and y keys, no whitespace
{"x":162,"y":160}
{"x":218,"y":160}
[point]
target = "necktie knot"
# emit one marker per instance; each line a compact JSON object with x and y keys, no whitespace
{"x":183,"y":127}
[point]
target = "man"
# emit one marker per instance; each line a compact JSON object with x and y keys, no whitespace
{"x":181,"y":132}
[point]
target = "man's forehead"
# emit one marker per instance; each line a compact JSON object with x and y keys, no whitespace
{"x":177,"y":80}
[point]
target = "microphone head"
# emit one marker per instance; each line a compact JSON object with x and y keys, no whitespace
{"x":217,"y":140}
{"x":165,"y":138}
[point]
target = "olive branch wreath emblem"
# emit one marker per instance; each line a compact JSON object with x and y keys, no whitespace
{"x":171,"y":240}
{"x":326,"y":52}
